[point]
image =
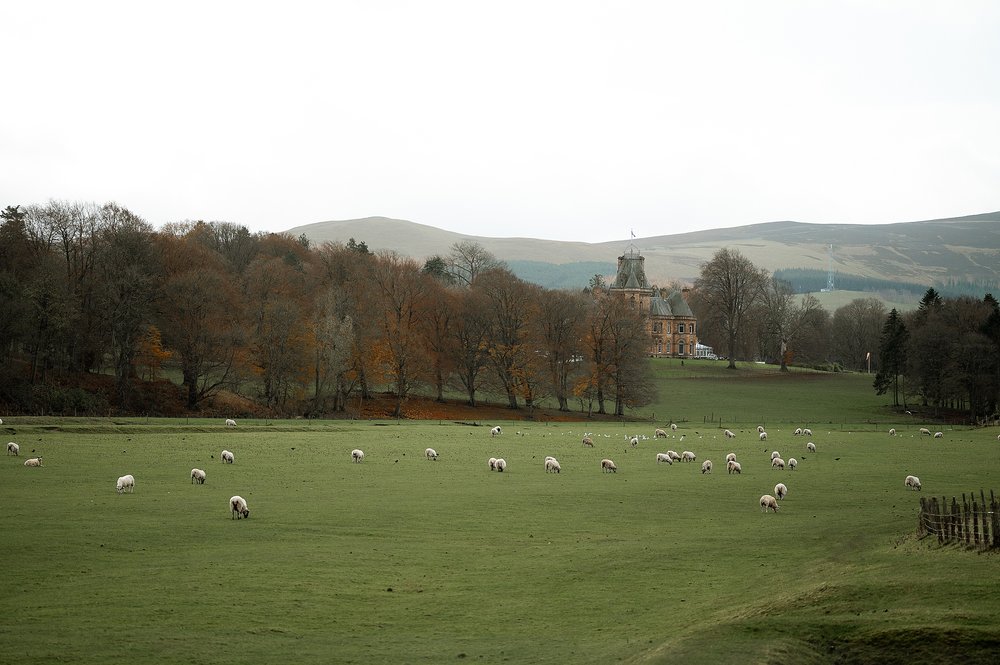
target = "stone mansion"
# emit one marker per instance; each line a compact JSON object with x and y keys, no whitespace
{"x":670,"y":322}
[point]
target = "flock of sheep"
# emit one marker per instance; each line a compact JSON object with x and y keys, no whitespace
{"x":126,"y":484}
{"x":239,"y":509}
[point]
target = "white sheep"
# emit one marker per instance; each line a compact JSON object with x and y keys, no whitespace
{"x":706,"y":466}
{"x":230,"y":422}
{"x":924,"y":430}
{"x":811,"y":447}
{"x":501,"y":465}
{"x":634,"y":441}
{"x":778,"y":463}
{"x":663,"y":457}
{"x":730,"y":434}
{"x":731,"y":457}
{"x":496,"y":431}
{"x":938,"y":435}
{"x":34,"y":461}
{"x":734,"y":467}
{"x":607,"y":466}
{"x":673,"y":426}
{"x":760,"y":429}
{"x":806,"y":431}
{"x":493,"y":463}
{"x":660,"y":434}
{"x":798,"y":431}
{"x":687,"y":456}
{"x":357,"y":455}
{"x":780,"y":491}
{"x":768,"y":501}
{"x":774,"y":454}
{"x":13,"y":448}
{"x":912,"y":482}
{"x":589,"y":442}
{"x":430,"y":453}
{"x":763,"y":436}
{"x":673,"y":455}
{"x":552,"y":465}
{"x":125,"y":484}
{"x":238,"y":506}
{"x":792,"y":463}
{"x":198,"y":476}
{"x":892,"y":431}
{"x":226,"y":457}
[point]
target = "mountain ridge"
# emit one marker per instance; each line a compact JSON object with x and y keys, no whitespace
{"x":961,"y":248}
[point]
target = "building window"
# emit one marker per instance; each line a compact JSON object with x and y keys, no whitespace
{"x":680,"y":328}
{"x":692,"y":328}
{"x":667,"y":347}
{"x":680,"y":348}
{"x":657,"y":326}
{"x":666,"y":328}
{"x":659,"y":346}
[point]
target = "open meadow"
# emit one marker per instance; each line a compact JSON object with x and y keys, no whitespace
{"x":400,"y":559}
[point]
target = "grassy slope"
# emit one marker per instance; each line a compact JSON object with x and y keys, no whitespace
{"x":654,"y":564}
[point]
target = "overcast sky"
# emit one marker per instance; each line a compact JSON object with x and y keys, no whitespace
{"x":566,"y":120}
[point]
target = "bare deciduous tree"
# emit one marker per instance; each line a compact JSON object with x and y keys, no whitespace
{"x":728,"y":286}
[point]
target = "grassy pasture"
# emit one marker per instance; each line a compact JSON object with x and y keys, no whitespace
{"x":404,"y":560}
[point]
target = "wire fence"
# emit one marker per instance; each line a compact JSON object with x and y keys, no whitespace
{"x":975,"y":522}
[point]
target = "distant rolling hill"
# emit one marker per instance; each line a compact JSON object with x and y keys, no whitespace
{"x":964,"y":249}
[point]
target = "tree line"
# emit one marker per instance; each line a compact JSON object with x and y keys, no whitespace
{"x":945,"y":356}
{"x":88,"y":289}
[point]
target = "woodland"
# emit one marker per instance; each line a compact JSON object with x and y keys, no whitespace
{"x":103,"y":314}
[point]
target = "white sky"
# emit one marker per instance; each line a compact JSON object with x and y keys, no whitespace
{"x":569,"y":120}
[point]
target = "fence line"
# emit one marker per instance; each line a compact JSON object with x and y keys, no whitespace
{"x":975,"y":523}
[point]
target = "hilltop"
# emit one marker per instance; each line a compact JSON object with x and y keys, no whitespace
{"x":921,"y":252}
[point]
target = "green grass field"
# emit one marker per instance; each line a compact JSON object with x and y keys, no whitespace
{"x":404,"y":560}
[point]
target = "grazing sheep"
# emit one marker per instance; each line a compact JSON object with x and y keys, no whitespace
{"x":687,"y":456}
{"x":674,"y":456}
{"x":34,"y":461}
{"x":660,"y":434}
{"x":912,"y":482}
{"x":760,"y":429}
{"x":763,"y":436}
{"x":493,"y":464}
{"x":230,"y":422}
{"x":634,"y":441}
{"x":730,"y":434}
{"x":430,"y":453}
{"x":734,"y":467}
{"x":589,"y":442}
{"x":125,"y":484}
{"x":673,"y":426}
{"x":924,"y":430}
{"x":238,"y":506}
{"x":501,"y":465}
{"x":357,"y":455}
{"x":798,"y":431}
{"x":775,"y":454}
{"x":768,"y":501}
{"x":664,"y":457}
{"x":778,"y":463}
{"x":731,"y":457}
{"x":938,"y":435}
{"x":892,"y":431}
{"x":13,"y":448}
{"x":780,"y":491}
{"x":552,"y":465}
{"x":706,"y":466}
{"x":607,"y":466}
{"x":811,"y":447}
{"x":792,"y":463}
{"x":496,"y":431}
{"x":807,"y":432}
{"x":198,"y":476}
{"x":226,"y":457}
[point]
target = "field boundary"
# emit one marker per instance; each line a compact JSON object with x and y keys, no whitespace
{"x":973,"y":523}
